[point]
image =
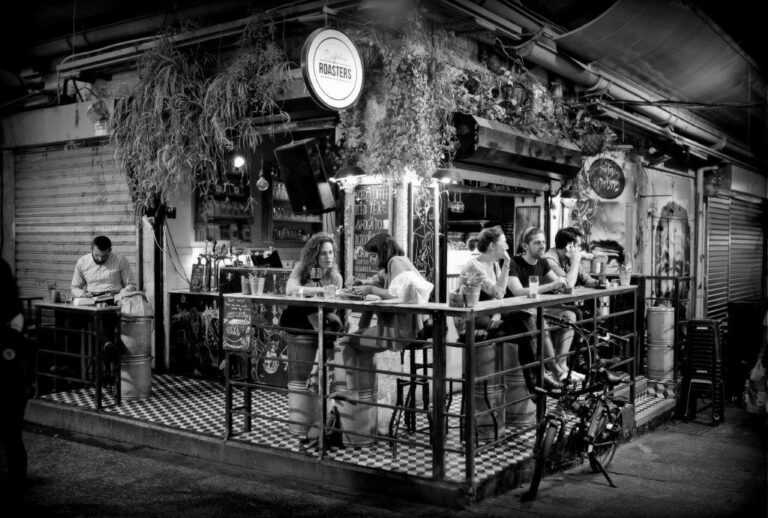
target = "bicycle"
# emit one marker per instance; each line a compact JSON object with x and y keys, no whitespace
{"x":597,"y":432}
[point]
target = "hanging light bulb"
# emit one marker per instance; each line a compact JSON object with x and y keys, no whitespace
{"x":239,"y":161}
{"x":262,"y":184}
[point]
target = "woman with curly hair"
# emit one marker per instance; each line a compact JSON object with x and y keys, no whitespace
{"x":319,"y":252}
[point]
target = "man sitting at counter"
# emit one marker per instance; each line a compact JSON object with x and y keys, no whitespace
{"x":565,"y":260}
{"x":101,"y":272}
{"x":530,"y":262}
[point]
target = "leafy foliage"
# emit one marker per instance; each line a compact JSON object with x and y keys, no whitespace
{"x":248,"y":87}
{"x":156,"y":125}
{"x":175,"y":128}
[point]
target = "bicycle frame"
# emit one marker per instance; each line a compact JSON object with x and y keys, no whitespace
{"x":597,"y":413}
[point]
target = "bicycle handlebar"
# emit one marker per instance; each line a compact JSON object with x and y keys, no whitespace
{"x":606,"y":335}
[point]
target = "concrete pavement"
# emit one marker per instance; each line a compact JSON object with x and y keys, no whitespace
{"x":678,"y":470}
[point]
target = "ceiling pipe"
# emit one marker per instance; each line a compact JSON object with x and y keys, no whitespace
{"x":618,"y":89}
{"x":112,"y":33}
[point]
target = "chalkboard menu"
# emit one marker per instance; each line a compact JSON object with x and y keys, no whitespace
{"x":372,"y":215}
{"x":606,"y":178}
{"x":237,"y":323}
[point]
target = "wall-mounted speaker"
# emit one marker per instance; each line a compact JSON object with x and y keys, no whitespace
{"x":306,"y":181}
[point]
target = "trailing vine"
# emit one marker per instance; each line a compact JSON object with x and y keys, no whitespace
{"x":156,"y":134}
{"x":248,"y":87}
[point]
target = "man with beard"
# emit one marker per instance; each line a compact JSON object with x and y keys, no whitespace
{"x":101,"y":272}
{"x":530,"y":261}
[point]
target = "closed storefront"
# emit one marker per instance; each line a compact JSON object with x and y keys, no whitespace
{"x":64,"y":196}
{"x":735,"y":253}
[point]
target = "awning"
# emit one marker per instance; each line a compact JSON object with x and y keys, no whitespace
{"x":505,"y":150}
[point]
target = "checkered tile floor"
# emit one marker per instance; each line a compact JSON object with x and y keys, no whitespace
{"x":195,"y":405}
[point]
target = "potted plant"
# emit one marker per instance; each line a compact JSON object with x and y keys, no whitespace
{"x":469,"y":285}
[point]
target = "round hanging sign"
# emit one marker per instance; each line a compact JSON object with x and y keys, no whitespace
{"x":332,"y":69}
{"x":606,"y":178}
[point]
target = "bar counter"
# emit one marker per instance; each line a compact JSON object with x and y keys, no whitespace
{"x":89,"y":342}
{"x":437,"y":411}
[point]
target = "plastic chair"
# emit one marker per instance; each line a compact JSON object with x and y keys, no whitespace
{"x":703,"y":371}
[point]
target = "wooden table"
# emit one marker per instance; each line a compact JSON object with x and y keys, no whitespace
{"x":92,"y":336}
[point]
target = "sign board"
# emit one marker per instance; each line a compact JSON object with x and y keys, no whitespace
{"x":197,"y":278}
{"x":332,"y":69}
{"x":373,"y":209}
{"x":237,"y":323}
{"x":606,"y":178}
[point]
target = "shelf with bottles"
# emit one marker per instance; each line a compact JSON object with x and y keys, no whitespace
{"x":285,"y":215}
{"x":292,"y":233}
{"x":279,"y":192}
{"x":221,"y":230}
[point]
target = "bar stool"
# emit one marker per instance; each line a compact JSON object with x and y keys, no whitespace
{"x":405,"y":403}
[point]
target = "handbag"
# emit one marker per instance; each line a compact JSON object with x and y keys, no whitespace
{"x":755,"y":391}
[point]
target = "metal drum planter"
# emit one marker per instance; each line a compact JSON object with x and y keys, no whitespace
{"x":136,"y":357}
{"x":488,"y":394}
{"x":303,"y":404}
{"x":522,"y":413}
{"x":660,"y":325}
{"x":360,"y":415}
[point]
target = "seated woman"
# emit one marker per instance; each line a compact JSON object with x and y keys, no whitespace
{"x":360,"y":350}
{"x":319,"y":252}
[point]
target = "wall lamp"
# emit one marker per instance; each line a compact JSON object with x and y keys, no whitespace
{"x":447,"y":175}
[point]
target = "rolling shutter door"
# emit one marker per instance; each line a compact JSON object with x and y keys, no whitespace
{"x":63,"y":198}
{"x":746,"y":251}
{"x":718,"y":243}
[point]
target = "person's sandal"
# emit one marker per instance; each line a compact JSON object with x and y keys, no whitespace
{"x":312,"y":383}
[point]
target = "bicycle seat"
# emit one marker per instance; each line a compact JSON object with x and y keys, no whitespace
{"x":612,"y":378}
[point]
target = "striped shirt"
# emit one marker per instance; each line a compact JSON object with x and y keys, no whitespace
{"x":110,"y":277}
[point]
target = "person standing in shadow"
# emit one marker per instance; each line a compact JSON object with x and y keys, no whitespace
{"x":15,"y":353}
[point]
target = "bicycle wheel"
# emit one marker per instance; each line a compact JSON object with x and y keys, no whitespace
{"x":606,"y":442}
{"x":542,"y":455}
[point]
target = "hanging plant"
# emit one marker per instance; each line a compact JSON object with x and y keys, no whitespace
{"x":410,"y":132}
{"x":250,"y":86}
{"x":156,"y":137}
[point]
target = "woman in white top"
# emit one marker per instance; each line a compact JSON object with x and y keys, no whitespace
{"x":492,"y":245}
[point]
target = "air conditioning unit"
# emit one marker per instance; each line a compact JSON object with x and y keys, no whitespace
{"x":500,"y":147}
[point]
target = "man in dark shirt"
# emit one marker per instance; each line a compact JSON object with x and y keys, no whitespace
{"x":530,"y":261}
{"x":13,"y":363}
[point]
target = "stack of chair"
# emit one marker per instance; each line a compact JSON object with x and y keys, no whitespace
{"x":703,"y":370}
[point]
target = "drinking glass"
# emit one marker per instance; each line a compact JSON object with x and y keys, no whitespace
{"x":533,"y":286}
{"x":316,"y":274}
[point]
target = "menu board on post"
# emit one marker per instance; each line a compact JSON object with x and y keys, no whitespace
{"x":373,"y":209}
{"x":237,"y":323}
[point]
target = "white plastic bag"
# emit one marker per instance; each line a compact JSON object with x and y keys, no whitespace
{"x":411,"y":287}
{"x":755,"y":394}
{"x":135,"y":304}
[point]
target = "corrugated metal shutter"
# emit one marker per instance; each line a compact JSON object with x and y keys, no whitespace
{"x":746,"y":251}
{"x":65,"y":197}
{"x":718,"y":243}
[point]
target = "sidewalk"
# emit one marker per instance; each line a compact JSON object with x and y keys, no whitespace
{"x":678,"y":470}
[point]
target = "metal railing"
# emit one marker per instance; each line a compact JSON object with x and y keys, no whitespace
{"x":440,"y":441}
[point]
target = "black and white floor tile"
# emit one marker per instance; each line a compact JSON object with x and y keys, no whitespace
{"x":197,"y":406}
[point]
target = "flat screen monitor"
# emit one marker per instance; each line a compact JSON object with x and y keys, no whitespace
{"x":306,"y":181}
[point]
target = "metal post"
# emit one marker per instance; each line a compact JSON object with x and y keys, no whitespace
{"x":438,"y":396}
{"x":469,"y":403}
{"x":321,"y":384}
